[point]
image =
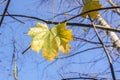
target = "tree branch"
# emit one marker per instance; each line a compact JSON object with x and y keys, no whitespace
{"x":107,"y":53}
{"x":77,"y":78}
{"x":114,"y":5}
{"x":82,"y":51}
{"x":5,"y":10}
{"x":106,"y":8}
{"x":70,"y":24}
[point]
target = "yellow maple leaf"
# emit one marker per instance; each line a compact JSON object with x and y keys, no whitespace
{"x":50,"y":47}
{"x":50,"y":40}
{"x":65,"y":50}
{"x":91,"y":5}
{"x":63,"y":36}
{"x":38,"y":34}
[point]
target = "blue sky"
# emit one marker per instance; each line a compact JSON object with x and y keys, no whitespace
{"x":31,"y":66}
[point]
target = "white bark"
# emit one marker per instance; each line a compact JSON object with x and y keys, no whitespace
{"x":114,"y":5}
{"x":115,"y":39}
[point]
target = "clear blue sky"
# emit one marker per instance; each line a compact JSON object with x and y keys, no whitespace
{"x":31,"y":66}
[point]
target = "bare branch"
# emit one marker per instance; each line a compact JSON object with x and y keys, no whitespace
{"x":5,"y":10}
{"x":70,"y":24}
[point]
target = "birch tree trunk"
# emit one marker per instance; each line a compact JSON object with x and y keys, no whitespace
{"x":114,"y":5}
{"x":115,"y":39}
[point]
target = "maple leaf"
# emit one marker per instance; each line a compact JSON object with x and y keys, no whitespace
{"x":91,"y":5}
{"x":63,"y":36}
{"x":50,"y":47}
{"x":38,"y":34}
{"x":50,"y":40}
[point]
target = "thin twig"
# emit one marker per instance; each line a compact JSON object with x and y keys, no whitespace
{"x":82,"y":51}
{"x":15,"y":69}
{"x":5,"y":10}
{"x":99,"y":9}
{"x":70,"y":24}
{"x":2,"y":1}
{"x":15,"y":18}
{"x":107,"y":53}
{"x":26,"y":50}
{"x":14,"y":62}
{"x":77,"y":78}
{"x":105,"y":49}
